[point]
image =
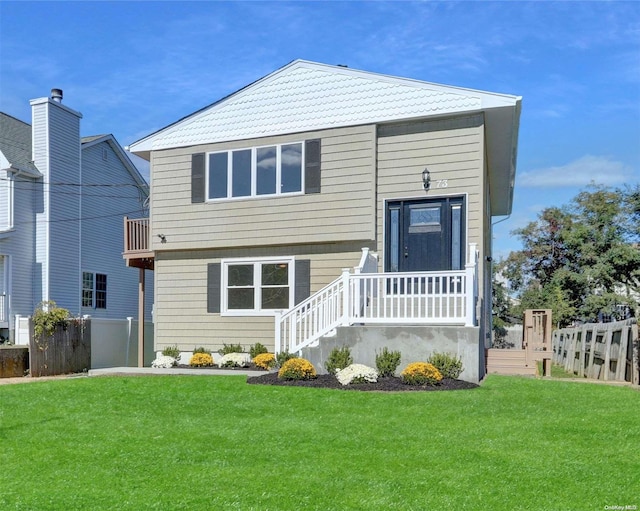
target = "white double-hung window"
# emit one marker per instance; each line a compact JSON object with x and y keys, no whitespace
{"x":257,"y":286}
{"x":94,"y":290}
{"x":257,"y":171}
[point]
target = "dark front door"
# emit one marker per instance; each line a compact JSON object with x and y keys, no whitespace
{"x":425,"y":234}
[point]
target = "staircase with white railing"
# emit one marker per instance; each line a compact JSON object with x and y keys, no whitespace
{"x":368,"y":297}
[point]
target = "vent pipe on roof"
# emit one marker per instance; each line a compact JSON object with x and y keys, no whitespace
{"x":56,"y":95}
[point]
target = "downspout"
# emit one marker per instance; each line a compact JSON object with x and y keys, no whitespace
{"x":499,"y":221}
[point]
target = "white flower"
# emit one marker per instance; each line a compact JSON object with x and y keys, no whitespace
{"x":164,"y":362}
{"x":235,"y":360}
{"x":357,"y":371}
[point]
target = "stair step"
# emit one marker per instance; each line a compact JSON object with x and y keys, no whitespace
{"x":510,"y":370}
{"x":509,"y":362}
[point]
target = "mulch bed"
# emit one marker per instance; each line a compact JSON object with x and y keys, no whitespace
{"x":328,"y":381}
{"x":392,"y":384}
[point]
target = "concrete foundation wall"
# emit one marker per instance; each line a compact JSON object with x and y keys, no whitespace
{"x":415,"y":343}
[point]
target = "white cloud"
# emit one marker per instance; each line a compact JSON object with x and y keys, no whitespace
{"x":580,"y":172}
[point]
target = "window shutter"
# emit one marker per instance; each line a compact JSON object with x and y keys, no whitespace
{"x":303,"y":280}
{"x":312,"y":166}
{"x":197,"y":178}
{"x":213,"y":287}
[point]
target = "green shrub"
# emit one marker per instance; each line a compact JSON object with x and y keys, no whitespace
{"x":257,"y":349}
{"x":265,"y":361}
{"x":339,"y":358}
{"x":449,"y":366}
{"x":297,"y":369}
{"x":47,"y":317}
{"x":421,"y":373}
{"x":171,"y":351}
{"x":387,"y":362}
{"x":230,"y":348}
{"x":201,"y":349}
{"x":283,"y":356}
{"x":201,"y":360}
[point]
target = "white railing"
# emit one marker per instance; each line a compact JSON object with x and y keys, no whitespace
{"x":425,"y":298}
{"x":368,"y":262}
{"x":4,"y":313}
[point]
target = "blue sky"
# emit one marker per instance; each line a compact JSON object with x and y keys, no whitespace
{"x":134,"y":67}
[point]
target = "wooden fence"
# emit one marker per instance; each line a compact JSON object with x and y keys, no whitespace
{"x":68,"y":350}
{"x":601,"y":351}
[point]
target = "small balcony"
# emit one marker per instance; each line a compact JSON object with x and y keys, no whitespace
{"x":137,"y":248}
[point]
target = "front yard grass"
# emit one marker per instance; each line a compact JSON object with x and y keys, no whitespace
{"x":215,"y":443}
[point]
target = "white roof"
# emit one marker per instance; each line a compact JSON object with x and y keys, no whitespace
{"x":306,"y":96}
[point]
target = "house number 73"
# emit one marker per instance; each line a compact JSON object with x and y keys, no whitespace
{"x":442,"y":183}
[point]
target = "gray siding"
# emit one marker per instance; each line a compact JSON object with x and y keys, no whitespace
{"x":343,"y":211}
{"x":19,"y":247}
{"x":103,"y":208}
{"x":64,"y":208}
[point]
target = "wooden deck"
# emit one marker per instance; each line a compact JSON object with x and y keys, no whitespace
{"x":137,"y":247}
{"x":536,"y":348}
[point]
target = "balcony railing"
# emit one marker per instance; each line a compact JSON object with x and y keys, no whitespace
{"x":137,"y":246}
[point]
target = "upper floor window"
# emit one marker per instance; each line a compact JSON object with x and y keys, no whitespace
{"x":269,"y":170}
{"x":94,"y":290}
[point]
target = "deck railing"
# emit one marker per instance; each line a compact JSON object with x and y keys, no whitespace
{"x":426,"y":298}
{"x":136,"y":235}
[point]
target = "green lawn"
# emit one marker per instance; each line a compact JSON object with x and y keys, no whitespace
{"x":215,"y":443}
{"x":557,"y":371}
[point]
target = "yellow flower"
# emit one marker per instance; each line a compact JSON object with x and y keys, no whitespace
{"x":421,"y":373}
{"x":201,"y":360}
{"x":265,"y":361}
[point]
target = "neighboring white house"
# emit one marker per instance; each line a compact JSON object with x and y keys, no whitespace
{"x":62,"y":198}
{"x":262,"y":199}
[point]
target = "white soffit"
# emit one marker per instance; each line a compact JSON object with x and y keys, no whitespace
{"x":306,"y":96}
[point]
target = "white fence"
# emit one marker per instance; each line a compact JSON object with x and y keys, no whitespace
{"x":423,"y":298}
{"x":114,"y":342}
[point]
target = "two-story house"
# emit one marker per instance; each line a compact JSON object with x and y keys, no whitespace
{"x":62,"y":198}
{"x":322,"y":205}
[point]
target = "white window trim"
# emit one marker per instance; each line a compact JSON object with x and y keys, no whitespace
{"x":257,"y":262}
{"x":10,"y":179}
{"x":254,"y":173}
{"x":93,"y":291}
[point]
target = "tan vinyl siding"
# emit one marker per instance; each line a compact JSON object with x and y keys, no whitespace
{"x":181,"y":315}
{"x":452,"y":150}
{"x":343,"y":211}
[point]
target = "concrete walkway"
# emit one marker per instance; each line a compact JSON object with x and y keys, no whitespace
{"x":136,"y":371}
{"x":131,"y":371}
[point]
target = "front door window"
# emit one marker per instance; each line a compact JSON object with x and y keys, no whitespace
{"x":425,"y":235}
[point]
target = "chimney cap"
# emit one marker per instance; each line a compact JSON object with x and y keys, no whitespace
{"x":56,"y":95}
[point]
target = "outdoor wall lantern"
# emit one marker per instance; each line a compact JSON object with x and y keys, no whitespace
{"x":426,"y":179}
